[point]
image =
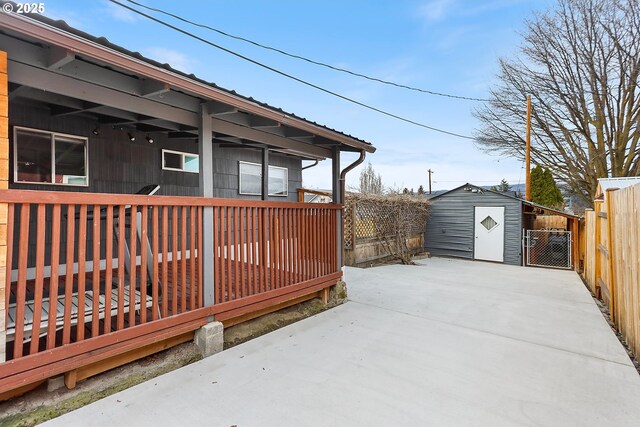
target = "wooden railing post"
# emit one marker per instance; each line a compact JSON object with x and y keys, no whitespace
{"x":4,"y":184}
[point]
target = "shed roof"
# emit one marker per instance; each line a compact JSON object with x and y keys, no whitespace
{"x":510,"y":196}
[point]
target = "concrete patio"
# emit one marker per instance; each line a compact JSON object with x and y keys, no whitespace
{"x":443,"y":343}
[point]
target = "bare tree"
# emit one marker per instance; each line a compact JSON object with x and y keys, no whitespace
{"x":580,"y":64}
{"x":370,"y":182}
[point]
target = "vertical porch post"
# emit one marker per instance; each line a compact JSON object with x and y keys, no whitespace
{"x":336,"y":194}
{"x":4,"y":184}
{"x":205,"y":151}
{"x":265,"y":173}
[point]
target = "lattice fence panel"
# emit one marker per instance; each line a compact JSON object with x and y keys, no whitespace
{"x":366,"y":219}
{"x":347,"y":224}
{"x":372,"y":220}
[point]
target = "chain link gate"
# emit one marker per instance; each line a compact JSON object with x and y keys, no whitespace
{"x":548,"y":248}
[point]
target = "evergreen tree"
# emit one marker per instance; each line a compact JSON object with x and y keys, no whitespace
{"x":544,"y":190}
{"x":504,"y":186}
{"x":405,"y":191}
{"x":421,"y":190}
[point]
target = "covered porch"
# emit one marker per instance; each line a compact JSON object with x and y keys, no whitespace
{"x":91,"y":271}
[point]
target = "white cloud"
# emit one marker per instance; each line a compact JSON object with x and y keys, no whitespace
{"x":435,"y":10}
{"x":72,"y":18}
{"x":119,"y":13}
{"x":176,"y":59}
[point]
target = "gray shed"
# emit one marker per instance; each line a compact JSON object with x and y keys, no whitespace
{"x":474,"y":223}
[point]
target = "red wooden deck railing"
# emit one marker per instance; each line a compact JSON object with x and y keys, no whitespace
{"x":262,"y":251}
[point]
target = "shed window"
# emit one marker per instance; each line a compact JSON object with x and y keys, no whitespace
{"x":179,"y":161}
{"x":250,"y":176}
{"x":49,"y":157}
{"x":489,"y":223}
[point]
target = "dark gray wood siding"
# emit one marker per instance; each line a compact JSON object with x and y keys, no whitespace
{"x":226,"y":170}
{"x":450,"y":225}
{"x":118,"y":165}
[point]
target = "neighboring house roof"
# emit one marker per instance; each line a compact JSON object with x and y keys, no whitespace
{"x":509,"y":195}
{"x":435,"y":193}
{"x":317,"y":198}
{"x":320,"y":194}
{"x":605,"y":184}
{"x":116,"y":58}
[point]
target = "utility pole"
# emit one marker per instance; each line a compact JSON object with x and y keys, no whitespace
{"x":430,"y":172}
{"x":527,"y":156}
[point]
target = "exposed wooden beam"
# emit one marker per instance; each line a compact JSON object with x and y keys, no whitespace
{"x":40,"y":95}
{"x":242,"y":146}
{"x":115,"y":112}
{"x":31,"y":54}
{"x":275,"y":130}
{"x":164,"y":124}
{"x":181,"y":135}
{"x":232,"y":139}
{"x":234,"y":129}
{"x":215,"y":108}
{"x":16,"y":92}
{"x":33,"y":28}
{"x":290,"y":132}
{"x":153,"y":87}
{"x":237,"y":117}
{"x":262,"y":122}
{"x":61,"y":111}
{"x":308,"y":139}
{"x":53,"y":82}
{"x":59,"y":84}
{"x":59,"y":57}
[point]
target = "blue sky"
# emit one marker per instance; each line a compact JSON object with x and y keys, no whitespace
{"x":449,"y":46}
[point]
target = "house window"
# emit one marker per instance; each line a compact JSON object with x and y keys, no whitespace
{"x":179,"y":161}
{"x":250,"y":175}
{"x":49,"y":157}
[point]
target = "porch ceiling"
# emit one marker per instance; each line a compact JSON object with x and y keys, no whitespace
{"x":71,"y":83}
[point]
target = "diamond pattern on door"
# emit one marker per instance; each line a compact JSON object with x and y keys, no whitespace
{"x":489,"y":223}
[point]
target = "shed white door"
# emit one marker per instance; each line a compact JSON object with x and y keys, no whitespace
{"x":489,"y":233}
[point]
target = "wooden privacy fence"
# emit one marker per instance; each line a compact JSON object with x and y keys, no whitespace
{"x":98,"y":274}
{"x":612,"y":259}
{"x":550,"y":222}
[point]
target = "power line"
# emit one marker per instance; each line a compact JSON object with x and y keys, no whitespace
{"x":302,"y":58}
{"x":299,"y":80}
